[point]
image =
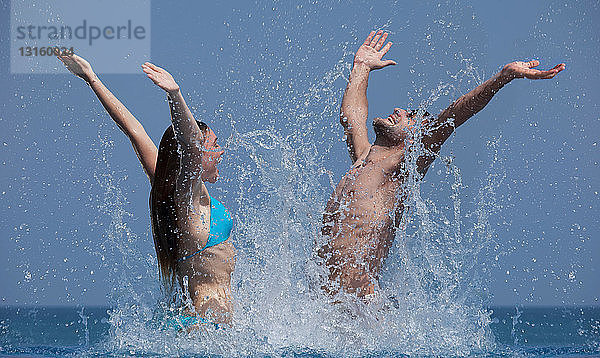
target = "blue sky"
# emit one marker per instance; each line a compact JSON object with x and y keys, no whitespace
{"x":75,"y":223}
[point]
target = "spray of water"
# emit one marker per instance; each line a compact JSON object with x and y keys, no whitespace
{"x":429,"y":303}
{"x":276,"y":179}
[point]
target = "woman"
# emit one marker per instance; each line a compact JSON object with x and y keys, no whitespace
{"x":190,"y":228}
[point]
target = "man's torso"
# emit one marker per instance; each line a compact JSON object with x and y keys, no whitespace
{"x":359,"y":224}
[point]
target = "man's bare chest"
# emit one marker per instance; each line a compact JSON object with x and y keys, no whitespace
{"x":367,"y":182}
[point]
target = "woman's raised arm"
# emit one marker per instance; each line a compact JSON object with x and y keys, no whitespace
{"x":143,"y":146}
{"x":187,"y":132}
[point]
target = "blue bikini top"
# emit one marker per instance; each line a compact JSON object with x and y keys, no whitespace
{"x":220,"y":226}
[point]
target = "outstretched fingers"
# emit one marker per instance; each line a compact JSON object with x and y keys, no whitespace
{"x":381,"y":41}
{"x":376,"y":38}
{"x":536,"y":74}
{"x":152,"y":71}
{"x":147,"y":70}
{"x":386,"y":48}
{"x":153,"y":67}
{"x":62,"y":59}
{"x":373,"y":49}
{"x":69,"y":62}
{"x":70,"y":58}
{"x":554,"y":71}
{"x":369,"y":38}
{"x":559,"y":67}
{"x":63,"y":56}
{"x":66,"y":59}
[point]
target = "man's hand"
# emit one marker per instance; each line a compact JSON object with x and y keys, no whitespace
{"x":519,"y":69}
{"x":78,"y":66}
{"x":371,"y":51}
{"x":160,"y":77}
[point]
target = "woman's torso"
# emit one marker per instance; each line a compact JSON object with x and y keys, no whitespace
{"x":206,"y":255}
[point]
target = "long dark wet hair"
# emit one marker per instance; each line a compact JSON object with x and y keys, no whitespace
{"x":163,"y":212}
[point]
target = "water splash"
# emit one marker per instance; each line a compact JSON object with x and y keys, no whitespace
{"x":278,"y":178}
{"x":84,"y":322}
{"x":515,"y":321}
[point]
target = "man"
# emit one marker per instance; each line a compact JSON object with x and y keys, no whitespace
{"x":363,"y":212}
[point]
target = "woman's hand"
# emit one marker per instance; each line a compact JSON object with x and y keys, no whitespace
{"x":160,"y":77}
{"x":78,"y":66}
{"x":519,"y":69}
{"x":371,"y":52}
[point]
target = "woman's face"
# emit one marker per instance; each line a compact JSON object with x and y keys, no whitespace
{"x":211,"y":156}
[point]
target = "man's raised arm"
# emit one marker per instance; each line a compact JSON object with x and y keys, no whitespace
{"x":437,"y":130}
{"x":355,"y":107}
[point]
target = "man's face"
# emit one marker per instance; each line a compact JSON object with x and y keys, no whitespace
{"x":396,"y":128}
